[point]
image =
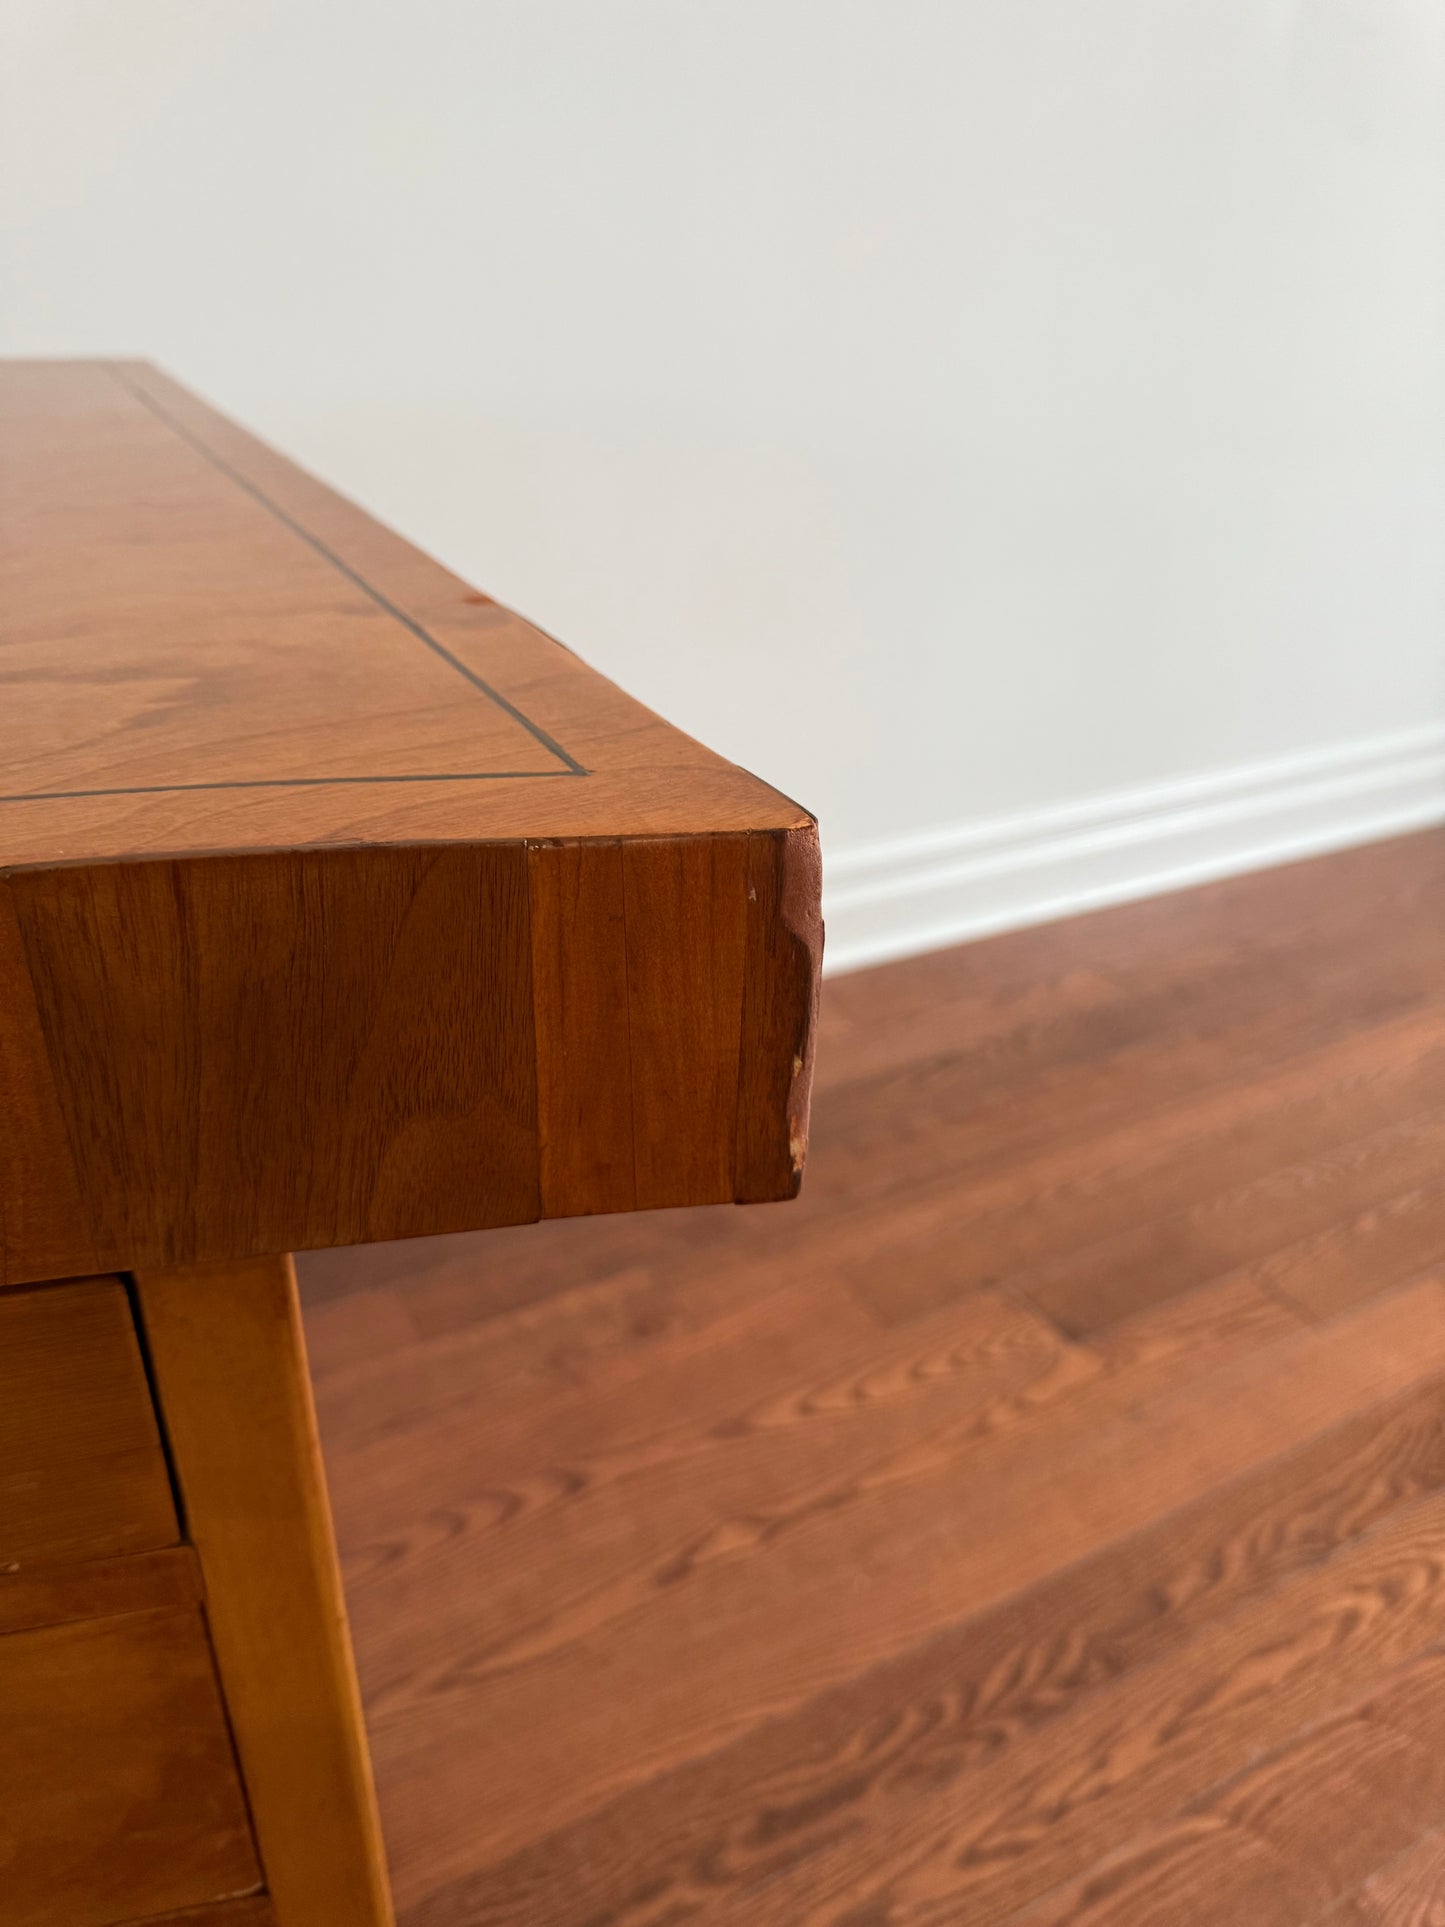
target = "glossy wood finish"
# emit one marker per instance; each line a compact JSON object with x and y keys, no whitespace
{"x":82,"y":1472}
{"x":230,"y":1371}
{"x":1042,"y":1521}
{"x":119,"y":1793}
{"x":306,"y":846}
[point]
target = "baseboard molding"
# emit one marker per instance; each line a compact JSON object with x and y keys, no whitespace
{"x":913,"y":893}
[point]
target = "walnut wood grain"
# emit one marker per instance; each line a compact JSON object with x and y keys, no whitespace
{"x":42,"y":1219}
{"x":230,"y":1371}
{"x":323,"y":877}
{"x":119,"y":1794}
{"x":82,"y":1471}
{"x":339,"y":1040}
{"x":100,"y":1589}
{"x":584,"y":1052}
{"x":686,"y":911}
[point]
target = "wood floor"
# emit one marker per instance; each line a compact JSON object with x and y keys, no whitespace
{"x":1042,"y":1521}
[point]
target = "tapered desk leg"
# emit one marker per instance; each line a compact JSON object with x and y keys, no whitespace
{"x":229,"y":1362}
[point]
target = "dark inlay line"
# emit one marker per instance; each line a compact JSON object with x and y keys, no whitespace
{"x":218,"y":462}
{"x":291,"y":783}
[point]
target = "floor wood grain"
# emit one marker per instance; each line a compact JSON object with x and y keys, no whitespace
{"x":1042,"y":1520}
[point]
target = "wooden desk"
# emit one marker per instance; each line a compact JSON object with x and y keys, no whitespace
{"x":337,"y":903}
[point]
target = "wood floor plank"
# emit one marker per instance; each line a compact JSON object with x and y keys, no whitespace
{"x":961,"y":998}
{"x":441,"y":1383}
{"x":763,"y":1444}
{"x":708,"y":1841}
{"x":1349,"y":1072}
{"x":1146,"y":1047}
{"x":1070,"y":1220}
{"x":549,"y":1313}
{"x":765,"y":1441}
{"x":949,"y":1526}
{"x":1407,"y":1892}
{"x":1083,"y":1289}
{"x":1381,"y":1246}
{"x":1286,"y":1840}
{"x":1134,"y":1754}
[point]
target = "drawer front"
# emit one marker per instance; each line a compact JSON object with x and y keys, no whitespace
{"x":82,"y":1472}
{"x":119,"y":1792}
{"x":256,"y":1912}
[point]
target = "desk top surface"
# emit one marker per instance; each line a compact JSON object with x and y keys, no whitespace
{"x":204,"y":648}
{"x":337,"y":902}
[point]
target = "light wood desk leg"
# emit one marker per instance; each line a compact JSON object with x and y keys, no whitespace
{"x":230,"y":1370}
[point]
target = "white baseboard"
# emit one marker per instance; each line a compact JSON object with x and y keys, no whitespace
{"x":912,"y":893}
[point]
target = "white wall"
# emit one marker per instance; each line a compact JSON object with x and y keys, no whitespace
{"x":1014,"y":427}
